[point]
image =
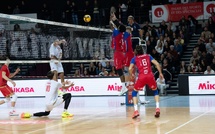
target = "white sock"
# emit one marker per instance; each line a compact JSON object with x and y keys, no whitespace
{"x":157,"y":104}
{"x":65,"y":110}
{"x":135,"y":107}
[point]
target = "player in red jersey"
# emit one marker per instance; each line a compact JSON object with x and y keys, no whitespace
{"x":7,"y":91}
{"x":145,"y":77}
{"x":129,"y":54}
{"x":119,"y":49}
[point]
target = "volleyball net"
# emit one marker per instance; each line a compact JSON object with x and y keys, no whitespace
{"x":27,"y":38}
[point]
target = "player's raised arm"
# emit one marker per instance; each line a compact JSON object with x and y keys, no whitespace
{"x":13,"y":74}
{"x":157,"y":65}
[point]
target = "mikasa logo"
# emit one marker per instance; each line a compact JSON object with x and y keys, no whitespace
{"x":206,"y":86}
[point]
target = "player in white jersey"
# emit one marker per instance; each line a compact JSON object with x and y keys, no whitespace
{"x":55,"y":52}
{"x":51,"y":98}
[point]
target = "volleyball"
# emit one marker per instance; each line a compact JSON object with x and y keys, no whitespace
{"x":87,"y":18}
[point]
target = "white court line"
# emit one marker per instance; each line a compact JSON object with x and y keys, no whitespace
{"x":189,"y":121}
{"x":58,"y":124}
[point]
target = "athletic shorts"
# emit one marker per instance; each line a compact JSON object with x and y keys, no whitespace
{"x":128,"y":57}
{"x":56,"y":66}
{"x":59,"y":101}
{"x":6,"y":91}
{"x":119,"y":60}
{"x":145,"y":80}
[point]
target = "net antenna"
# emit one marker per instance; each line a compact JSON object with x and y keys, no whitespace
{"x":28,"y":39}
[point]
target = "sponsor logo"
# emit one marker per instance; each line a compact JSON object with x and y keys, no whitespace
{"x":158,"y":12}
{"x":75,"y":89}
{"x":206,"y":86}
{"x":114,"y":87}
{"x":210,"y":8}
{"x":23,"y":89}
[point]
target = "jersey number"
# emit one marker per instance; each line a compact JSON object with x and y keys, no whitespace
{"x":144,"y":62}
{"x":47,"y":88}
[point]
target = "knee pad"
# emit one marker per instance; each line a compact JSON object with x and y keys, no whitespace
{"x":14,"y":98}
{"x":6,"y":100}
{"x":134,"y":93}
{"x":155,"y":92}
{"x":119,"y":72}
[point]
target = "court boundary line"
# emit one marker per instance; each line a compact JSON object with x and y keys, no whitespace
{"x":184,"y":124}
{"x":79,"y":119}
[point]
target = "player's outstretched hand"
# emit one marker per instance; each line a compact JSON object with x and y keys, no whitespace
{"x":13,"y":83}
{"x":161,"y":76}
{"x":17,"y":70}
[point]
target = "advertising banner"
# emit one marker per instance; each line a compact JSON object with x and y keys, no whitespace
{"x":201,"y":84}
{"x":82,"y":87}
{"x":174,"y":12}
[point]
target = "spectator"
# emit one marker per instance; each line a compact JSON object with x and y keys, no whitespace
{"x":16,"y":10}
{"x":92,"y":69}
{"x":147,"y":36}
{"x":195,"y":57}
{"x":74,"y":12}
{"x":209,"y":70}
{"x":81,"y":69}
{"x":212,"y":37}
{"x":159,"y":47}
{"x":183,"y":67}
{"x":96,"y":14}
{"x":178,"y":47}
{"x":172,"y":26}
{"x":182,"y":22}
{"x":77,"y":73}
{"x":103,"y":72}
{"x":136,"y":31}
{"x":113,"y":72}
{"x":194,"y":66}
{"x":152,"y":32}
{"x":146,"y":26}
{"x":160,"y":32}
{"x":174,"y":36}
{"x":86,"y":74}
{"x":192,"y":24}
{"x":202,"y":65}
{"x":210,"y":46}
{"x":99,"y":68}
{"x":206,"y":33}
{"x":167,"y":75}
{"x":155,"y":54}
{"x":163,"y":26}
{"x":213,"y":64}
{"x":211,"y":25}
{"x":149,"y":47}
{"x":108,"y":67}
{"x":201,"y":46}
{"x":169,"y":31}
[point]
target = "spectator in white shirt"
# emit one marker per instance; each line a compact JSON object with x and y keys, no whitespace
{"x":209,"y":70}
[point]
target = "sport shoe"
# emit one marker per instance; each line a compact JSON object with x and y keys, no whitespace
{"x":25,"y":115}
{"x":135,"y":115}
{"x":66,"y":114}
{"x":157,"y":112}
{"x":123,"y":91}
{"x":13,"y":113}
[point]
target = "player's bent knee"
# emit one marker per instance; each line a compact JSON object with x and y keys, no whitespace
{"x":119,"y":72}
{"x":14,"y":98}
{"x":6,"y":100}
{"x":155,"y":92}
{"x":134,"y":93}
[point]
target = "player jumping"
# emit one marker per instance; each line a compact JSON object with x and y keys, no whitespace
{"x":51,"y":98}
{"x":7,"y":91}
{"x":145,"y":77}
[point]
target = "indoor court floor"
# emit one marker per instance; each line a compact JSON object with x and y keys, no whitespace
{"x":106,"y":115}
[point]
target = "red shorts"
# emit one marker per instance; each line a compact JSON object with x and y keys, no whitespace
{"x":119,"y":60}
{"x":128,"y":57}
{"x":145,"y":80}
{"x":6,"y":91}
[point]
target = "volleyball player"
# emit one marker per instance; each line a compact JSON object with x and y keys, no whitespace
{"x":55,"y":52}
{"x":7,"y":91}
{"x":51,"y":97}
{"x":119,"y":49}
{"x":145,"y":77}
